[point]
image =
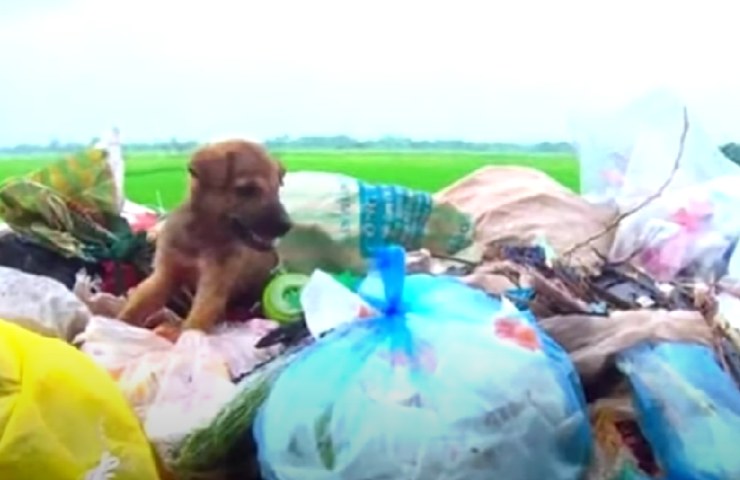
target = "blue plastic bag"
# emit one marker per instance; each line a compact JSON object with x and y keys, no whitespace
{"x":448,"y":384}
{"x":688,"y":409}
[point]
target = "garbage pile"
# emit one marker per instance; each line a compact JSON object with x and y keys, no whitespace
{"x":504,"y":327}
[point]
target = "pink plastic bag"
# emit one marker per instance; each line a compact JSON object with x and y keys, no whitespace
{"x":692,"y":227}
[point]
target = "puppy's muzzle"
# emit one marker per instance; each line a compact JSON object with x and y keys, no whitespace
{"x":274,"y":221}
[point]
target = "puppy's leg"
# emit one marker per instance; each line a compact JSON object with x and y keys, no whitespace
{"x":148,"y":297}
{"x":215,"y":285}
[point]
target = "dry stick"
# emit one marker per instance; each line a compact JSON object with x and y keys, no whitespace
{"x":614,"y":224}
{"x":450,"y":258}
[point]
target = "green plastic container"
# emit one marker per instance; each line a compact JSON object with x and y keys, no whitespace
{"x":281,"y":300}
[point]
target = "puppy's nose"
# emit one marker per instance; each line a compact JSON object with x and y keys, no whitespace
{"x":283,"y":225}
{"x":276,"y":221}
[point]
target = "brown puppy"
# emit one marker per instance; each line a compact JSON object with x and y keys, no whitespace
{"x":220,"y":241}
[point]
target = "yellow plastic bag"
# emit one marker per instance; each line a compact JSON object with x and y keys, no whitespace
{"x":62,"y":417}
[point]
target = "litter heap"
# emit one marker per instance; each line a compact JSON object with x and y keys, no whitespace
{"x":503,"y":327}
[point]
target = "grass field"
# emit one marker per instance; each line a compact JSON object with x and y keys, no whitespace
{"x":160,"y":178}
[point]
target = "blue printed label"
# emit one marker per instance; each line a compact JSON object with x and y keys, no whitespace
{"x":392,"y":215}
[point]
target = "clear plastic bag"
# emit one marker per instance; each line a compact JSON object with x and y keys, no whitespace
{"x":692,"y":228}
{"x":627,"y":155}
{"x":688,"y":409}
{"x":653,"y":159}
{"x":448,"y":383}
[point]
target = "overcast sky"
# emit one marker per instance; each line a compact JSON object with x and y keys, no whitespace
{"x":481,"y":70}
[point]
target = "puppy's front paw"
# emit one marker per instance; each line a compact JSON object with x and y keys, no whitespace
{"x":196,"y":324}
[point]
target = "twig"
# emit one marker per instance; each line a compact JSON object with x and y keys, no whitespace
{"x":615,"y":223}
{"x":449,"y":258}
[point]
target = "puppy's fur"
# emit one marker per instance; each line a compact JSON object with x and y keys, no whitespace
{"x":219,"y":242}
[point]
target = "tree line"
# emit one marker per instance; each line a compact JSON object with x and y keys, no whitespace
{"x":338,"y":142}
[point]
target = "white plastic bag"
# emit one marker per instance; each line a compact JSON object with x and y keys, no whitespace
{"x":41,"y":304}
{"x":327,"y":304}
{"x":729,"y":302}
{"x":693,"y":227}
{"x":729,"y":307}
{"x":654,"y":160}
{"x":110,"y":142}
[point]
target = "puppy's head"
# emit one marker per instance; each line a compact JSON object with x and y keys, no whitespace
{"x":237,"y":184}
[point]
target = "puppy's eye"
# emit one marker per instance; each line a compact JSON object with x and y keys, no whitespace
{"x":247,"y":190}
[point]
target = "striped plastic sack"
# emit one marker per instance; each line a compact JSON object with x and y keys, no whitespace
{"x":339,"y":220}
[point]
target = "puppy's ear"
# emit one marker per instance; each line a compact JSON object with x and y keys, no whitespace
{"x":209,"y":166}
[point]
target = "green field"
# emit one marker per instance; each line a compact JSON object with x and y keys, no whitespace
{"x":159,"y":179}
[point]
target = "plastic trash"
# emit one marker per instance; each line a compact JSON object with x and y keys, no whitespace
{"x":338,"y":220}
{"x":654,"y":160}
{"x":448,"y":383}
{"x":63,"y":417}
{"x":110,"y":143}
{"x":626,"y":155}
{"x":20,"y":253}
{"x":176,"y":386}
{"x":41,"y":304}
{"x":688,"y":409}
{"x":281,"y":297}
{"x":126,"y":351}
{"x":525,"y":206}
{"x":689,"y":229}
{"x":729,"y":303}
{"x":593,"y":341}
{"x":193,"y":385}
{"x":328,"y":304}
